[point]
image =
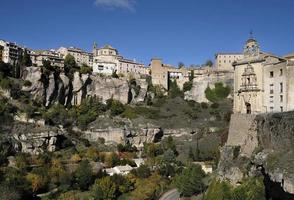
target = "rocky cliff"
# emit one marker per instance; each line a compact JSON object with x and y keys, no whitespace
{"x":261,"y":144}
{"x":53,"y":87}
{"x":201,"y":82}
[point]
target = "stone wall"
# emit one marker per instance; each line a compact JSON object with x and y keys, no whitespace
{"x":243,"y":133}
{"x":264,"y":142}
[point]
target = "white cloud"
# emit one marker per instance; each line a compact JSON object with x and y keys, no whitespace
{"x":117,"y":4}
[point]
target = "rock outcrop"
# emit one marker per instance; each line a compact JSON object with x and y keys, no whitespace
{"x":33,"y":139}
{"x":107,"y":88}
{"x":34,"y":76}
{"x":53,"y":87}
{"x":201,"y":82}
{"x":264,"y":142}
{"x":136,"y":137}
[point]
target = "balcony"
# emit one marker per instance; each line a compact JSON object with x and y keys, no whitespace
{"x":249,"y":88}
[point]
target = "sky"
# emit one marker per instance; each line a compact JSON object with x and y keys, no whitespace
{"x":188,"y":31}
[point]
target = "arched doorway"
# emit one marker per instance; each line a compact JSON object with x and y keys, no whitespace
{"x":248,"y":108}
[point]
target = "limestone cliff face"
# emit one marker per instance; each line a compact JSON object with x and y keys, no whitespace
{"x":107,"y":88}
{"x":201,"y":82}
{"x":35,"y":139}
{"x":263,"y":144}
{"x":53,"y":88}
{"x":34,"y":75}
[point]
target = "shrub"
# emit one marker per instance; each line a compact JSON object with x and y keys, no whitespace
{"x":218,"y":190}
{"x":83,"y":175}
{"x":204,"y":105}
{"x":218,"y":93}
{"x":142,"y":172}
{"x":27,"y":83}
{"x":187,"y":86}
{"x":214,"y":105}
{"x":85,"y":69}
{"x":116,"y":107}
{"x":174,"y":90}
{"x":190,"y":181}
{"x":129,"y":113}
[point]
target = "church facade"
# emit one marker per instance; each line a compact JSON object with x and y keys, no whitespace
{"x":262,"y":82}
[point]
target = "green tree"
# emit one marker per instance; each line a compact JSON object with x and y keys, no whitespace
{"x":174,"y":90}
{"x":250,"y":189}
{"x":190,"y":181}
{"x":116,"y":107}
{"x":209,"y":63}
{"x":169,"y":156}
{"x":85,"y":69}
{"x":103,"y":188}
{"x":191,"y":76}
{"x":218,"y":93}
{"x":69,"y":63}
{"x":83,"y":174}
{"x":187,"y":86}
{"x":218,"y":190}
{"x":143,"y":171}
{"x":181,"y":64}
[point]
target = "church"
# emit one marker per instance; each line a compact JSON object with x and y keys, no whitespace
{"x":263,"y":82}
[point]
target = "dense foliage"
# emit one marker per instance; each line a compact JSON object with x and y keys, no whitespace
{"x":218,"y":93}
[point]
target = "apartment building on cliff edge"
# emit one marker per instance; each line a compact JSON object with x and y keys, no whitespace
{"x":263,"y":82}
{"x":10,"y":52}
{"x":107,"y":60}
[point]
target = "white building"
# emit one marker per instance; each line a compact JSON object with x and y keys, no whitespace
{"x":10,"y":52}
{"x":122,"y":170}
{"x":107,"y":60}
{"x":81,"y":57}
{"x":54,"y":57}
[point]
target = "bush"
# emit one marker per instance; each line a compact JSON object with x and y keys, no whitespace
{"x":204,"y":105}
{"x":214,"y":105}
{"x":190,"y":181}
{"x":83,"y":175}
{"x":218,"y":93}
{"x":187,"y":86}
{"x":85,"y":69}
{"x":174,"y":90}
{"x":116,"y":107}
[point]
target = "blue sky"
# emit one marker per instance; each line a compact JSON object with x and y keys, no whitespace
{"x":190,"y":31}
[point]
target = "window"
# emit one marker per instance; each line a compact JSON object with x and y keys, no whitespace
{"x":281,"y":98}
{"x":281,"y":87}
{"x":281,"y":72}
{"x":271,"y":74}
{"x":271,"y":99}
{"x":272,"y":109}
{"x":282,"y":109}
{"x":271,"y":88}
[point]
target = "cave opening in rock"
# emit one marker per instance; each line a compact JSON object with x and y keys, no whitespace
{"x":274,"y":190}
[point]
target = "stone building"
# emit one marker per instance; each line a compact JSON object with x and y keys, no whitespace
{"x":162,"y":73}
{"x":81,"y":56}
{"x":262,"y":82}
{"x":107,"y":60}
{"x":55,"y":58}
{"x":10,"y":52}
{"x":224,"y":61}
